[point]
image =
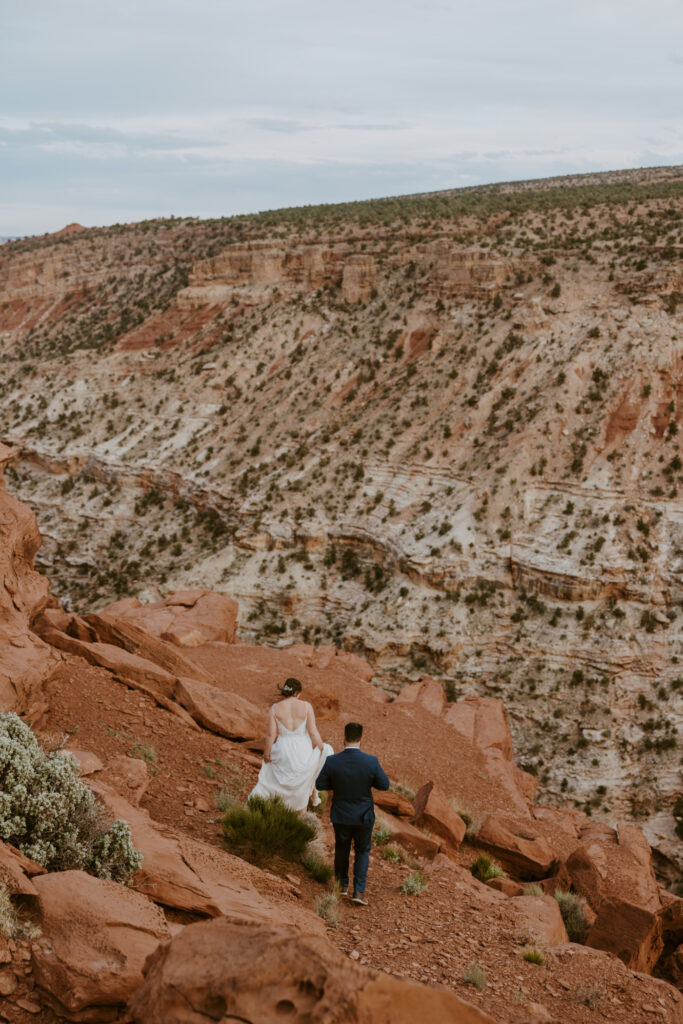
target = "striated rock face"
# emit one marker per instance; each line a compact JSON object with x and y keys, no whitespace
{"x":24,"y":659}
{"x":224,"y":971}
{"x":442,"y":432}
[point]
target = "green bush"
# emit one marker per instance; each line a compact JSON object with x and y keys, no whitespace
{"x":573,"y":910}
{"x":414,"y":884}
{"x":53,"y":817}
{"x":382,"y":836}
{"x":317,"y":867}
{"x":484,"y":868}
{"x":475,"y":975}
{"x":266,"y":829}
{"x":533,"y":956}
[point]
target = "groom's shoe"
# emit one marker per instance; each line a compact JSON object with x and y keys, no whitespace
{"x":359,"y":899}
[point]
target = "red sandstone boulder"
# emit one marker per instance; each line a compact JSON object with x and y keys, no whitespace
{"x":96,"y":937}
{"x":393,"y":803}
{"x":189,"y":875}
{"x":426,"y":692}
{"x":187,"y":618}
{"x":220,"y":971}
{"x":409,"y":837}
{"x":506,"y":886}
{"x":25,"y":661}
{"x":16,"y":871}
{"x":132,"y":638}
{"x":433,"y":810}
{"x":543,"y":917}
{"x":517,"y":848}
{"x":483,"y":721}
{"x":128,"y":776}
{"x":88,"y":762}
{"x":613,"y":870}
{"x":226,"y":714}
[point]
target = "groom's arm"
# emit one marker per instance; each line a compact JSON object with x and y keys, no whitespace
{"x":380,"y":780}
{"x":324,"y":781}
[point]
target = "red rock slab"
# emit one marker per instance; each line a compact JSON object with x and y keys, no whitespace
{"x":483,"y":721}
{"x":610,"y":862}
{"x":132,"y":638}
{"x":96,"y":937}
{"x":190,"y":875}
{"x":217,"y":970}
{"x":226,"y":714}
{"x":187,"y":618}
{"x":393,"y":803}
{"x":128,"y":776}
{"x":433,"y":810}
{"x":505,"y":885}
{"x":543,"y":917}
{"x":524,"y":855}
{"x":88,"y":762}
{"x":16,"y":871}
{"x":409,"y":837}
{"x":426,"y":692}
{"x":630,"y":932}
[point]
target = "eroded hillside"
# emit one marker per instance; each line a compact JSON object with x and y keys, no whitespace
{"x":441,"y":431}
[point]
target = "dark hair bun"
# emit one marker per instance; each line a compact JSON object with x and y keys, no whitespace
{"x":290,"y":687}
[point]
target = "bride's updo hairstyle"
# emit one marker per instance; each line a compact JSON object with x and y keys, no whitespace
{"x":291,"y":687}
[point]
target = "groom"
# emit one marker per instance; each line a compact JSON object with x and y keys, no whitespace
{"x":351,"y":775}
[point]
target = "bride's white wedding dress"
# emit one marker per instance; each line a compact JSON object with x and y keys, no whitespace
{"x":293,"y":767}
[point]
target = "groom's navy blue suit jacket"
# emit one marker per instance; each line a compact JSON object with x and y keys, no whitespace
{"x":352,"y":775}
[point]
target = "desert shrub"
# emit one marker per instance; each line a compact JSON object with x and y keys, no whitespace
{"x":9,"y":925}
{"x":573,"y":910}
{"x":381,"y":836}
{"x":414,"y":884}
{"x":403,"y":790}
{"x":390,"y":853}
{"x":475,"y":975}
{"x":484,"y":868}
{"x":532,"y":889}
{"x":326,"y":908}
{"x":264,"y":829}
{"x":317,"y":867}
{"x":53,"y":817}
{"x":224,"y":799}
{"x":533,"y":956}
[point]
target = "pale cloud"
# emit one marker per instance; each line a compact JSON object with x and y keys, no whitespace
{"x":129,"y":110}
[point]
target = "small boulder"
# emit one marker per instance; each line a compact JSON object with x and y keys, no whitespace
{"x":505,"y":885}
{"x":543,"y":917}
{"x":409,"y":837}
{"x":433,"y":810}
{"x":220,"y":711}
{"x":393,"y":803}
{"x":96,"y":937}
{"x":518,"y":849}
{"x":219,"y":971}
{"x":128,"y":776}
{"x":16,"y":871}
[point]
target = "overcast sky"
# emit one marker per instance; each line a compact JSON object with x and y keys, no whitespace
{"x":117,"y":111}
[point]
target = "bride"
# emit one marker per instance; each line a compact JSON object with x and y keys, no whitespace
{"x":294,"y":752}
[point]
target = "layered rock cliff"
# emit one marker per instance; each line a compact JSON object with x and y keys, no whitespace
{"x":443,"y":432}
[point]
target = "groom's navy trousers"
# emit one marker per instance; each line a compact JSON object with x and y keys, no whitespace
{"x":352,"y":775}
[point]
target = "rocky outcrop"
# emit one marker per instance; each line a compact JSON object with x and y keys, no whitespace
{"x":24,"y":659}
{"x":612,"y":869}
{"x":222,"y":971}
{"x":517,"y":847}
{"x":187,"y":618}
{"x":96,"y":938}
{"x":433,"y":811}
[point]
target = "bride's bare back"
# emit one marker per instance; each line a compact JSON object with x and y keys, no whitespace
{"x":291,"y":712}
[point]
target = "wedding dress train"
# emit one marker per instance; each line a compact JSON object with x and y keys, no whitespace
{"x":293,"y":768}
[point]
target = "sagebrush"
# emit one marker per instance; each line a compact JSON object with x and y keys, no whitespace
{"x":266,"y":829}
{"x":48,"y":813}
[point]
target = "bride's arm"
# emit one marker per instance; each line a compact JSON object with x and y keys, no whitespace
{"x":271,"y":736}
{"x":316,"y":738}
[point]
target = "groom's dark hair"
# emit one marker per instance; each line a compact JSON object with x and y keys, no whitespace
{"x":353,"y":732}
